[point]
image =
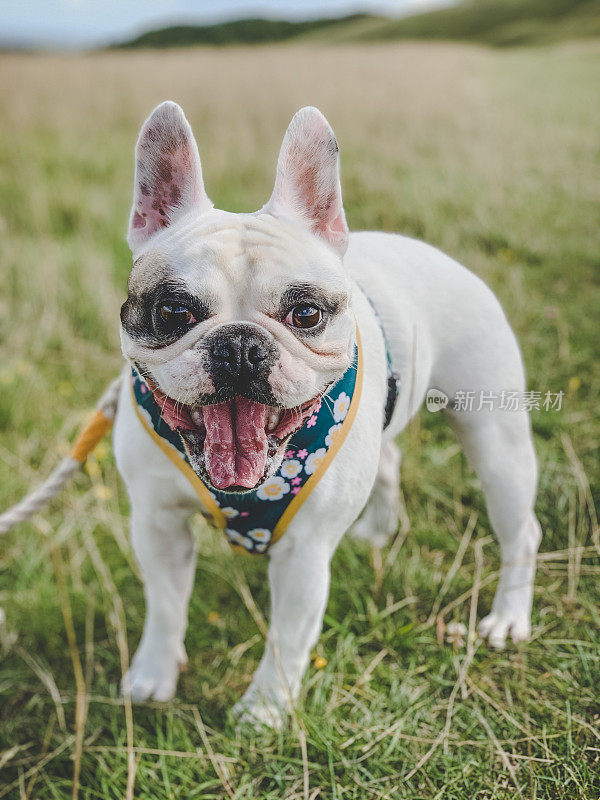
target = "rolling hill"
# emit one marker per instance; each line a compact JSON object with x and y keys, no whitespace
{"x":498,"y":23}
{"x":242,"y":31}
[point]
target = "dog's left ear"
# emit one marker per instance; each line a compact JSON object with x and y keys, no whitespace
{"x":307,"y":186}
{"x":168,"y":176}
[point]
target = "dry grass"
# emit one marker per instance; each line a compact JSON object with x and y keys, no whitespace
{"x":491,"y":156}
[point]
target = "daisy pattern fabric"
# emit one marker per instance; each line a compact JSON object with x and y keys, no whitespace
{"x":257,"y":519}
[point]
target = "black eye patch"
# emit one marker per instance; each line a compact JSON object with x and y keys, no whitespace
{"x":142,"y":319}
{"x":309,"y":295}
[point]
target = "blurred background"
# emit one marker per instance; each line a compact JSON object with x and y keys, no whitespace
{"x":472,"y":125}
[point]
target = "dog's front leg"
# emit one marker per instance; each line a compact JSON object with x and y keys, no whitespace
{"x":299,"y":583}
{"x":164,"y":548}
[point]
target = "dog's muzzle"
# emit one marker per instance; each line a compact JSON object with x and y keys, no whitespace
{"x":239,"y":358}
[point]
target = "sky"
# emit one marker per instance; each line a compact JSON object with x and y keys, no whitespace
{"x":87,"y":23}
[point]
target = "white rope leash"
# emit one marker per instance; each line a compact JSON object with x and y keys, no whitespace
{"x":106,"y":410}
{"x":109,"y":401}
{"x":35,"y":501}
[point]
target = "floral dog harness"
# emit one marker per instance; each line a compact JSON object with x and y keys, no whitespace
{"x":255,"y":520}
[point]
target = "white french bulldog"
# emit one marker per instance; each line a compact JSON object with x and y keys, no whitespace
{"x":238,"y":322}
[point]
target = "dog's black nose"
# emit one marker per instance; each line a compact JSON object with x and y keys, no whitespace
{"x":224,"y":353}
{"x":255,"y":352}
{"x":240,"y":358}
{"x":240,"y":353}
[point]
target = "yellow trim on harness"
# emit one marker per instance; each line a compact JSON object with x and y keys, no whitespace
{"x":201,"y":490}
{"x":90,"y":436}
{"x":204,"y":494}
{"x":338,"y":440}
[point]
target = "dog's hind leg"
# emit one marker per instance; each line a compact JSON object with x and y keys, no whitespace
{"x":379,"y":519}
{"x":499,"y":446}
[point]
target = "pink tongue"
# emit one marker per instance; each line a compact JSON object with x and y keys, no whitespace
{"x":235,"y":448}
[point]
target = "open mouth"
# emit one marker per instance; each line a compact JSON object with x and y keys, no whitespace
{"x":232,"y":444}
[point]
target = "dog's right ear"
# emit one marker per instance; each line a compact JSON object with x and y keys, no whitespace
{"x":168,"y":176}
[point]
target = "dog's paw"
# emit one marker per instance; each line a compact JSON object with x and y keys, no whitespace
{"x":259,"y":711}
{"x":496,"y":627}
{"x":153,"y":674}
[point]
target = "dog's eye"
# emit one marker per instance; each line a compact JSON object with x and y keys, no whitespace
{"x":304,"y":316}
{"x":174,"y":316}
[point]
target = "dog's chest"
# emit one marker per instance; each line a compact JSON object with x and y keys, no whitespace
{"x":255,"y":520}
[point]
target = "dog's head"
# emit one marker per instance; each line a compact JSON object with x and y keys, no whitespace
{"x":238,"y":322}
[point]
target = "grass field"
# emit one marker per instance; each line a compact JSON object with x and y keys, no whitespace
{"x":492,"y":156}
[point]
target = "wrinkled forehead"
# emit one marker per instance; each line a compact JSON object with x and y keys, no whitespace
{"x":236,"y":253}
